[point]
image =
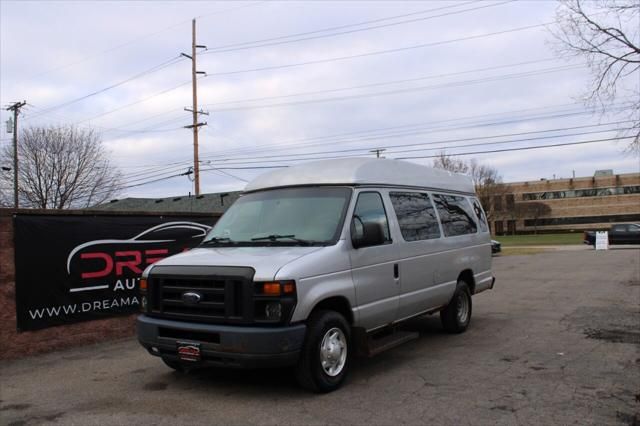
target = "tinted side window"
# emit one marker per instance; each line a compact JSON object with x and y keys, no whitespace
{"x":416,"y":216}
{"x":455,"y":214}
{"x":482,"y":219}
{"x":370,"y":208}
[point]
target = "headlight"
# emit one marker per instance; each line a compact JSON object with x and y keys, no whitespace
{"x":274,"y":301}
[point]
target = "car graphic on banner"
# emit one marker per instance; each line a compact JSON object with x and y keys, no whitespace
{"x":100,"y":259}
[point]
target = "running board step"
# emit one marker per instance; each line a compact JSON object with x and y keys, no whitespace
{"x":381,"y":344}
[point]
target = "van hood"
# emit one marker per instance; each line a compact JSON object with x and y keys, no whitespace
{"x":266,"y":261}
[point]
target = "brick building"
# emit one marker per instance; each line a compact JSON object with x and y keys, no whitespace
{"x":565,"y":204}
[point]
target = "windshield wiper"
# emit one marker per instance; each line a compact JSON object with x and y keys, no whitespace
{"x":275,"y":237}
{"x":216,"y":240}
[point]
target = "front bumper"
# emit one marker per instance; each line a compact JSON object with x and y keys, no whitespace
{"x":223,"y":345}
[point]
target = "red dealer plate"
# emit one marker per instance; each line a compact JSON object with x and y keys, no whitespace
{"x":188,"y":351}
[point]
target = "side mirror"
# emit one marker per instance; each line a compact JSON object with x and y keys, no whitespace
{"x":366,"y":234}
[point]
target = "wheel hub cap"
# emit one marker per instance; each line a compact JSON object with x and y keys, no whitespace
{"x":463,"y":308}
{"x":333,"y":352}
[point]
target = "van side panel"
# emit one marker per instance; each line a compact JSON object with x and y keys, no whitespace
{"x":325,"y":273}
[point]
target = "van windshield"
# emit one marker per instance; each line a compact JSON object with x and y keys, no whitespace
{"x":290,"y":216}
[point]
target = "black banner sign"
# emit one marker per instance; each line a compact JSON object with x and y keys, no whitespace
{"x":79,"y":268}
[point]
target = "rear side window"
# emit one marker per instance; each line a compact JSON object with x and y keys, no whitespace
{"x":456,"y":215}
{"x":416,"y":216}
{"x":482,"y":219}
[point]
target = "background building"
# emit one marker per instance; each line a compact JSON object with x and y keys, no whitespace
{"x":566,"y":204}
{"x":204,"y":203}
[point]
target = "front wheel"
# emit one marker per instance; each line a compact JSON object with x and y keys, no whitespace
{"x":456,"y":316}
{"x":324,"y":361}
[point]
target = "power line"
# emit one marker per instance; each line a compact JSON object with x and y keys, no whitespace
{"x":146,"y":183}
{"x":216,"y":48}
{"x":406,"y":90}
{"x":397,"y":131}
{"x":223,"y":173}
{"x":464,"y":140}
{"x":384,"y":93}
{"x":224,"y":167}
{"x":274,"y":42}
{"x":305,"y":156}
{"x":104,"y":129}
{"x":151,"y":70}
{"x":366,"y":95}
{"x":333,"y":90}
{"x":136,"y":102}
{"x":368,"y":149}
{"x":384,"y":83}
{"x":379,"y":52}
{"x":151,"y":117}
{"x":406,"y":130}
{"x":525,"y":148}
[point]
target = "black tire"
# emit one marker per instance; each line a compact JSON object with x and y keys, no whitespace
{"x":309,"y":372}
{"x":452,"y":318}
{"x":176,"y":365}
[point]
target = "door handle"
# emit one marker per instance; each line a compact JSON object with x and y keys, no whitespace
{"x":396,"y":272}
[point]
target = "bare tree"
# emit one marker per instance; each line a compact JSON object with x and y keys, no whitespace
{"x":486,"y":179}
{"x":62,"y":167}
{"x":605,"y":33}
{"x":447,"y":162}
{"x":489,"y":187}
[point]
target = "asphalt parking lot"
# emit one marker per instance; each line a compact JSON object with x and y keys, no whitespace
{"x":556,"y":342}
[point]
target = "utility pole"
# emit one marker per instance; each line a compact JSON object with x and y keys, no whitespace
{"x":16,"y":109}
{"x":194,"y":109}
{"x":377,"y":151}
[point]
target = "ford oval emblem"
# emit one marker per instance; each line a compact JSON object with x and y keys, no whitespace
{"x":191,"y":297}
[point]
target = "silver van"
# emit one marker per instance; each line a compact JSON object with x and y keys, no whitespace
{"x":317,"y":263}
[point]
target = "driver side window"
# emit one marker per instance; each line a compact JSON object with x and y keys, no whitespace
{"x":370,"y":210}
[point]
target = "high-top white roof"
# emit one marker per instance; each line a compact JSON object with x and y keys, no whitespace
{"x":362,"y":171}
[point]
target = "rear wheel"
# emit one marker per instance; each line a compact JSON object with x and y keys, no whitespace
{"x":325,"y":356}
{"x":456,"y":316}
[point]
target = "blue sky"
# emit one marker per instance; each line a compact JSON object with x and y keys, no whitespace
{"x":446,"y":82}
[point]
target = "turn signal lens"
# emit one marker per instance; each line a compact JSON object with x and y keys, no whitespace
{"x":143,"y":284}
{"x":276,"y":288}
{"x":271,"y":289}
{"x":289,"y":287}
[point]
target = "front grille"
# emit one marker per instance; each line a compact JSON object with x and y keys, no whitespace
{"x":223,"y":298}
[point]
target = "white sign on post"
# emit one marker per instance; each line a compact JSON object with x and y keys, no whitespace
{"x":602,"y":240}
